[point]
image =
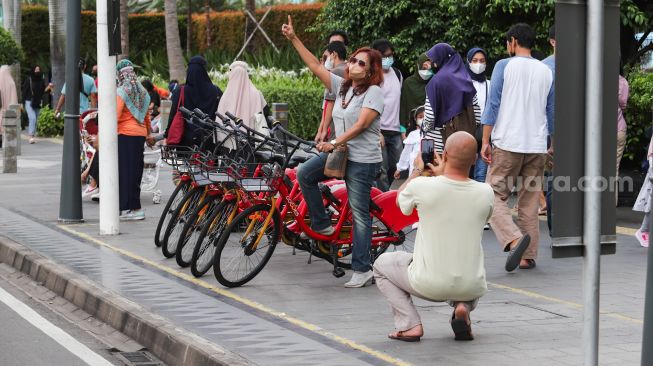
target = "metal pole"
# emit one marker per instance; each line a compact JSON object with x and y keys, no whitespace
{"x":70,"y":198}
{"x":592,"y":205}
{"x":108,"y":133}
{"x":647,"y":339}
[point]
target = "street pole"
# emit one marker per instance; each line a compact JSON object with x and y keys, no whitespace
{"x":70,"y":198}
{"x":592,"y":204}
{"x":107,"y":134}
{"x":647,"y":339}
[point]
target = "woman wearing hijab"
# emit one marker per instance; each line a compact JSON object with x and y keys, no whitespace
{"x":198,"y":92}
{"x":449,"y":92}
{"x":8,"y":94}
{"x":241,"y":98}
{"x":133,"y":103}
{"x":476,"y":65}
{"x":32,"y":91}
{"x":413,"y":91}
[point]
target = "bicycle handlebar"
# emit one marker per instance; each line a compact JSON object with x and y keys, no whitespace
{"x":278,"y":127}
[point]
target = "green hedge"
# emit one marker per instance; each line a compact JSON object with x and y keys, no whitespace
{"x":147,"y":32}
{"x":639,"y":114}
{"x":47,"y":125}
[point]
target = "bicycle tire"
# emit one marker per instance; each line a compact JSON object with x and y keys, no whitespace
{"x":254,"y":215}
{"x":204,"y":250}
{"x":192,"y":228}
{"x":182,"y":212}
{"x":169,"y":208}
{"x":344,"y":261}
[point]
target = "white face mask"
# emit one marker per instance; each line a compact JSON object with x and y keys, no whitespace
{"x":477,"y":68}
{"x":425,"y":74}
{"x":328,"y":63}
{"x":419,"y":121}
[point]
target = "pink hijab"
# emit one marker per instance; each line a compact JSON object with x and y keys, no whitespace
{"x":8,"y":94}
{"x":241,"y":98}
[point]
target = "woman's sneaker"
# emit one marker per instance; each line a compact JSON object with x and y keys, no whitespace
{"x":642,"y":238}
{"x":360,"y":279}
{"x":130,"y":215}
{"x":89,"y":191}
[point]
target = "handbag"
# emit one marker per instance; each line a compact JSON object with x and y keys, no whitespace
{"x":176,"y":129}
{"x":336,"y":162}
{"x":464,"y":121}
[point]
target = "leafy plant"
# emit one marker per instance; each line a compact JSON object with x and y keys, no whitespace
{"x":639,"y":114}
{"x":10,"y":51}
{"x":48,"y":125}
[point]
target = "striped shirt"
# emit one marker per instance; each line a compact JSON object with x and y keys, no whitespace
{"x":429,"y":131}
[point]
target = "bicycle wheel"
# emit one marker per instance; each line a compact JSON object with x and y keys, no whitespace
{"x":170,"y":207}
{"x":179,"y":217}
{"x":192,"y":229}
{"x":204,"y":250}
{"x":246,"y":245}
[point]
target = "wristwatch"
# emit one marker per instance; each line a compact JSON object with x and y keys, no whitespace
{"x":333,"y":142}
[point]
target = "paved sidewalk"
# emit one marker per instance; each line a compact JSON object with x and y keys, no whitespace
{"x":527,"y":316}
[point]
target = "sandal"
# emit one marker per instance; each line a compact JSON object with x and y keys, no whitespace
{"x":531,"y":264}
{"x":461,"y":330}
{"x":400,"y":337}
{"x":542,"y":211}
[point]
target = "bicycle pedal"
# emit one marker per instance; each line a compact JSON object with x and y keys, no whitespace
{"x":338,"y":272}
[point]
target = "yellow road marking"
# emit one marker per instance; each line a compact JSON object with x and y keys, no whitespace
{"x":253,"y":304}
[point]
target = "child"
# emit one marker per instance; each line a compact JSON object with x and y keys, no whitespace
{"x":643,"y":203}
{"x":411,"y":143}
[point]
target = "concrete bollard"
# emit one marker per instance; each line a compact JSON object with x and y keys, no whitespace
{"x":280,"y":113}
{"x":9,"y":136}
{"x":19,"y":126}
{"x":166,"y":105}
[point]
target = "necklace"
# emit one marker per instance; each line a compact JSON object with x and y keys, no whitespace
{"x":344,"y":103}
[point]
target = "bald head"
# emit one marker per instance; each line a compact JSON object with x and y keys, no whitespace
{"x":461,"y":151}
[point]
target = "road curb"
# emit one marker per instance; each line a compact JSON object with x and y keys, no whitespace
{"x":170,"y":343}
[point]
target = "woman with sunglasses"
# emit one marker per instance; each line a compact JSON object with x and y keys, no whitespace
{"x":356,"y":115}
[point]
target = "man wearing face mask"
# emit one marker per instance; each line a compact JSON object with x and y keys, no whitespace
{"x":476,"y":64}
{"x":335,"y":54}
{"x":519,"y":118}
{"x":413,"y":91}
{"x":391,"y":144}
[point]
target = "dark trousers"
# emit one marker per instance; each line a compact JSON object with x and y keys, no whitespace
{"x":94,"y":170}
{"x":130,"y":171}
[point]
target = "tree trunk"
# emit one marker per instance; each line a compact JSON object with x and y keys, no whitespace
{"x":189,"y":22}
{"x":173,"y":42}
{"x":250,"y":5}
{"x":57,"y":15}
{"x":12,"y":23}
{"x":124,"y":28}
{"x":207,"y":10}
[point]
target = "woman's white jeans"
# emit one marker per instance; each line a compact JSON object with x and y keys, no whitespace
{"x":33,"y":116}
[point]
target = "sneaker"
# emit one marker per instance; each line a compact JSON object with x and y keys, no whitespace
{"x":32,"y":140}
{"x":360,"y":279}
{"x":327,"y":231}
{"x":642,"y":238}
{"x":486,"y":227}
{"x":95,"y":197}
{"x":132,"y":215}
{"x":89,"y":191}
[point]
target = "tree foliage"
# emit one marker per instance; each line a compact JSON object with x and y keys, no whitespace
{"x":416,"y":25}
{"x":10,"y":51}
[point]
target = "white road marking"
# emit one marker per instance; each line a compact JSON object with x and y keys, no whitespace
{"x":51,"y":330}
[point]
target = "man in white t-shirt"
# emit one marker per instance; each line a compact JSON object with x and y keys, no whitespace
{"x":447,"y":263}
{"x":519,"y":118}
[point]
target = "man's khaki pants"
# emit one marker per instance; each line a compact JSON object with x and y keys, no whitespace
{"x":391,"y":275}
{"x":524,"y":171}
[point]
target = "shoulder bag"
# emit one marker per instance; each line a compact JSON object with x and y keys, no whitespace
{"x":176,"y":129}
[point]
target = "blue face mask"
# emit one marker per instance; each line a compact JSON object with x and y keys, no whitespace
{"x":387,"y":62}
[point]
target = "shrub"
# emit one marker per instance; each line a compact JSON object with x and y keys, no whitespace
{"x":10,"y":51}
{"x":639,"y":114}
{"x":48,"y":125}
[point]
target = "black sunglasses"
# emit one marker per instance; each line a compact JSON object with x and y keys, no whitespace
{"x":353,"y":60}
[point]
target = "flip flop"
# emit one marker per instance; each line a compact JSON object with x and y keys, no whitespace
{"x":515,"y":254}
{"x":400,"y":337}
{"x":531,"y":264}
{"x":461,"y":330}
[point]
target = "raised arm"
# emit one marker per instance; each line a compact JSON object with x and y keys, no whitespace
{"x":309,"y":59}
